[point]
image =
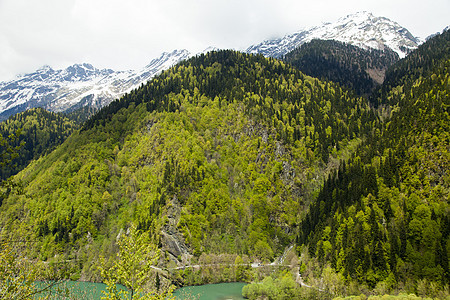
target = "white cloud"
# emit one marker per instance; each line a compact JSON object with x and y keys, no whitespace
{"x":128,"y":34}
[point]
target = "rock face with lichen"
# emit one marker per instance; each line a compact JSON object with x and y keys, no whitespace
{"x":172,"y":239}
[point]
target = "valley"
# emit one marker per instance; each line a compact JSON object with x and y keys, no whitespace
{"x":306,"y":177}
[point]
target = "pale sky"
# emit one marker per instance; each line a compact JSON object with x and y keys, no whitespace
{"x":128,"y":34}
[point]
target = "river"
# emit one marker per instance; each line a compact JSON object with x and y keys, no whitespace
{"x":75,"y":289}
{"x":219,"y":291}
{"x":93,"y":291}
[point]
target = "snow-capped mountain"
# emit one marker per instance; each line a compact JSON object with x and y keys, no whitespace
{"x":361,"y":29}
{"x":77,"y":85}
{"x":84,"y":85}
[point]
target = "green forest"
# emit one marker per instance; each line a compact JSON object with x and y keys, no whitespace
{"x":383,"y":216}
{"x":353,"y":67}
{"x":229,"y":159}
{"x":37,"y":133}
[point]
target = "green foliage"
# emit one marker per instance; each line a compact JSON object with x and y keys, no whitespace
{"x":271,"y":289}
{"x":135,"y":258}
{"x":36,"y":132}
{"x":16,"y":275}
{"x":383,"y":215}
{"x":420,"y":63}
{"x":217,"y":268}
{"x":9,"y":148}
{"x":22,"y":278}
{"x":222,"y":154}
{"x":384,"y":297}
{"x":282,"y":286}
{"x":353,"y":67}
{"x":229,"y":146}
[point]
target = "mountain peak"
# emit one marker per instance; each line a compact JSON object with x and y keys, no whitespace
{"x":77,"y":85}
{"x":361,"y":29}
{"x":360,"y":15}
{"x":44,"y":69}
{"x":168,"y":59}
{"x":85,"y":66}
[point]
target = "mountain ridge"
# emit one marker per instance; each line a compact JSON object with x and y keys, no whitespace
{"x":204,"y":135}
{"x":396,"y":183}
{"x":82,"y":85}
{"x":60,"y":90}
{"x":351,"y":66}
{"x":361,"y":29}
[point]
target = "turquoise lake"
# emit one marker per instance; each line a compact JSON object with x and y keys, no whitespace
{"x":219,"y":291}
{"x":93,"y":291}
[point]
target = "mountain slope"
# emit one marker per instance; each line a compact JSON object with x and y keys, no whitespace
{"x":353,"y":67}
{"x":218,"y":154}
{"x":40,"y":132}
{"x":361,"y":29}
{"x":383,"y":217}
{"x":421,"y":62}
{"x":77,"y":86}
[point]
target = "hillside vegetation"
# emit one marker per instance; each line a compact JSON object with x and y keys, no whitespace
{"x":383,"y":216}
{"x":220,"y":154}
{"x":229,"y":157}
{"x":40,"y":132}
{"x":353,"y":67}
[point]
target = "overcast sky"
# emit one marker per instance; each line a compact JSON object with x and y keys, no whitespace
{"x":128,"y":34}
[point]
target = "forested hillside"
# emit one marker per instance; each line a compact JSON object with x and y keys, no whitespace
{"x":383,"y":217}
{"x":81,"y":114}
{"x":221,"y":153}
{"x":353,"y":67}
{"x":40,"y":132}
{"x":420,"y":63}
{"x":230,"y":153}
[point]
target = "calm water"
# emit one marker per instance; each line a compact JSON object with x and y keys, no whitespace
{"x":78,"y":289}
{"x":93,"y":291}
{"x":220,"y":291}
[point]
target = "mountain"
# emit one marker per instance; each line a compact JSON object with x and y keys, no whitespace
{"x":421,"y":63}
{"x":219,"y":154}
{"x":356,"y":68}
{"x":82,"y":86}
{"x":437,"y":33}
{"x":361,"y":29}
{"x":77,"y":86}
{"x":383,"y":216}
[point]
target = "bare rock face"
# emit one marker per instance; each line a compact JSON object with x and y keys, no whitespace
{"x":173,"y":245}
{"x":172,"y":239}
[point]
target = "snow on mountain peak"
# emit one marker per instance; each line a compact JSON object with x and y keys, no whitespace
{"x":44,"y":69}
{"x":77,"y":85}
{"x":357,"y":18}
{"x":168,"y":59}
{"x":361,"y":29}
{"x":83,"y":84}
{"x":208,"y":49}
